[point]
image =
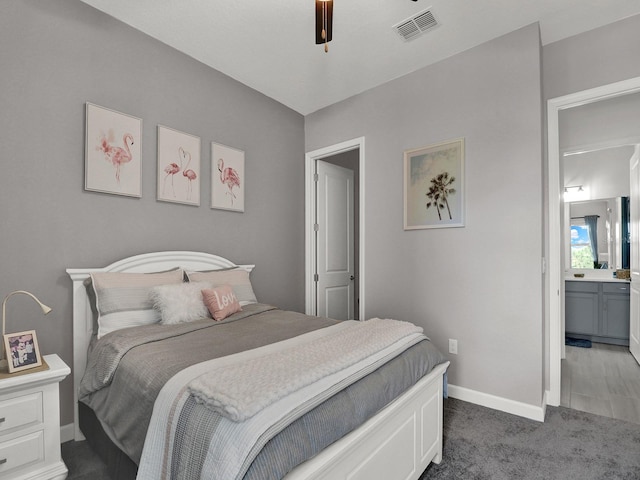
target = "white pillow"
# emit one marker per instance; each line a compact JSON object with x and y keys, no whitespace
{"x":179,"y":303}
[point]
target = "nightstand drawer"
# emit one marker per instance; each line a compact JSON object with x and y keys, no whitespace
{"x":21,"y":411}
{"x":21,"y":451}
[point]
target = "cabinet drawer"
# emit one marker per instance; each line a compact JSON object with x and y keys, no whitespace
{"x":616,"y":287}
{"x":21,"y":411}
{"x":583,"y":287}
{"x":21,"y":451}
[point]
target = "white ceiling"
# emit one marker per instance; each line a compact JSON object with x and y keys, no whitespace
{"x":269,"y":45}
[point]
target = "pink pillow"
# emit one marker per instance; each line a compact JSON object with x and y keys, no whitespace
{"x":221,"y":302}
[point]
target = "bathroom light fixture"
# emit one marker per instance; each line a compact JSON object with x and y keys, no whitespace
{"x":324,"y":22}
{"x":45,"y":310}
{"x":576,"y":193}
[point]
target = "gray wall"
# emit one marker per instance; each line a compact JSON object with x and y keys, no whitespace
{"x":55,"y":55}
{"x":603,"y":173}
{"x":480,"y":284}
{"x":601,"y":56}
{"x":610,"y":122}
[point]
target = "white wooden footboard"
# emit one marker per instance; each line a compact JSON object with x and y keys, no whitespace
{"x":397,"y":444}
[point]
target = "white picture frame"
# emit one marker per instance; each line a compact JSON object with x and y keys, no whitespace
{"x":178,"y":174}
{"x":228,"y":181}
{"x":113,"y":152}
{"x":22,"y":351}
{"x":434,"y":186}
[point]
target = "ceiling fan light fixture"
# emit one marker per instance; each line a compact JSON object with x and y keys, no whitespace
{"x":324,"y":22}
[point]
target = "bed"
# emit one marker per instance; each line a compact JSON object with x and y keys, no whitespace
{"x":397,"y":441}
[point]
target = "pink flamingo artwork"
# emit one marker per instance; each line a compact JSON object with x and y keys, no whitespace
{"x":170,"y":170}
{"x":189,"y":174}
{"x":118,"y":156}
{"x":228,"y":177}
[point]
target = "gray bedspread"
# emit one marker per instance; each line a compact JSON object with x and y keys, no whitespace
{"x":127,"y":369}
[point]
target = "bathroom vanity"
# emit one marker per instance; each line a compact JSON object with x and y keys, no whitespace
{"x":597,"y":310}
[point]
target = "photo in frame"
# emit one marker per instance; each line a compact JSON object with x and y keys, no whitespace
{"x":178,"y":166}
{"x":434,"y":186}
{"x":227,"y":178}
{"x":22,"y":350}
{"x":113,"y":152}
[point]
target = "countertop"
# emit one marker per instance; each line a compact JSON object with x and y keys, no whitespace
{"x":587,"y":278}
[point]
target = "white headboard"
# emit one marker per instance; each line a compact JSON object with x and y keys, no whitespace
{"x":145,"y":263}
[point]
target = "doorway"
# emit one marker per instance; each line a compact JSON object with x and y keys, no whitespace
{"x":348,"y":156}
{"x":555,"y":279}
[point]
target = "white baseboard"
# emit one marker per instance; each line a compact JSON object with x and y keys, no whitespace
{"x":66,"y":433}
{"x":499,"y":403}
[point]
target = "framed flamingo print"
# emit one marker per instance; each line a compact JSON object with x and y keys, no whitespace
{"x":434,"y":186}
{"x":113,"y":152}
{"x":227,"y":178}
{"x":178,"y":166}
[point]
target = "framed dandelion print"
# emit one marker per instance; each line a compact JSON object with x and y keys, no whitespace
{"x":227,"y":178}
{"x":434,"y":186}
{"x":113,"y":152}
{"x":178,"y":167}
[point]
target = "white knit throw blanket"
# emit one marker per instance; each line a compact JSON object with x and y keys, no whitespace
{"x":241,"y":390}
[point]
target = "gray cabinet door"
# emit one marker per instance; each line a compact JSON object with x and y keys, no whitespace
{"x":615,"y":311}
{"x":581,"y":313}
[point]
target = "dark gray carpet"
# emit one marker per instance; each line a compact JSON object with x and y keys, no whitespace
{"x":484,"y":444}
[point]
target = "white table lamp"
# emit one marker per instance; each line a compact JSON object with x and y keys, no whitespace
{"x":45,"y":310}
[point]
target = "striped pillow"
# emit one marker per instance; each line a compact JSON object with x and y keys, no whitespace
{"x":122,"y":299}
{"x":237,"y":278}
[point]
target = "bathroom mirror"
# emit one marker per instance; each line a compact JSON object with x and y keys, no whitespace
{"x":601,"y":225}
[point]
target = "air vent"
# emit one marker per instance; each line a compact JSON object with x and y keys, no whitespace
{"x":417,"y":25}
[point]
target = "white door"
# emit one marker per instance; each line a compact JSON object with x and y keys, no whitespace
{"x":634,"y":211}
{"x":335,"y":243}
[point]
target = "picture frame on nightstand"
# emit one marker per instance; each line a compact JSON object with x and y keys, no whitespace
{"x":22,"y":350}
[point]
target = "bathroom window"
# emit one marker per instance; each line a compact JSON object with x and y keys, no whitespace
{"x":581,"y":254}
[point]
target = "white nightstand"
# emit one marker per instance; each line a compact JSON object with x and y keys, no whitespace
{"x":30,"y":424}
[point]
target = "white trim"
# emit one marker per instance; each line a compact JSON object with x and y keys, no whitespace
{"x":67,"y":432}
{"x":555,"y":284}
{"x":526,"y":410}
{"x":310,"y":208}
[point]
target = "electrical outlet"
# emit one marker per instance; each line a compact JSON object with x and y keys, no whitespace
{"x":453,"y":346}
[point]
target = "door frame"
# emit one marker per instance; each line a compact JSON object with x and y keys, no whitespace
{"x":555,"y":281}
{"x":311,"y":296}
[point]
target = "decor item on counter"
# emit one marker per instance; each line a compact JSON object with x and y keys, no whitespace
{"x":22,"y":351}
{"x":577,"y":342}
{"x":578,"y":275}
{"x":113,"y":152}
{"x":324,"y":23}
{"x":178,"y":166}
{"x":8,"y":339}
{"x":623,"y":274}
{"x":434,"y":186}
{"x":227,"y":178}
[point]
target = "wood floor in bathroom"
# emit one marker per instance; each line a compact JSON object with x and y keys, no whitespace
{"x":604,"y":380}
